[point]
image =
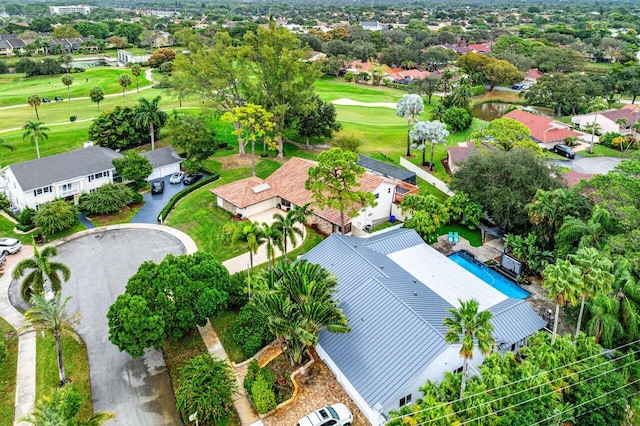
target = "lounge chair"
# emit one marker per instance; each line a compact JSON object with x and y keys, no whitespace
{"x":456,"y":237}
{"x":450,"y":239}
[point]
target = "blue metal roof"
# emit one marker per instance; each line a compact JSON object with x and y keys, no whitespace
{"x":395,"y":319}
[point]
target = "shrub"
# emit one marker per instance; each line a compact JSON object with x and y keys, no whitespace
{"x":73,"y":118}
{"x":347,"y":143}
{"x":3,"y":352}
{"x":349,"y":76}
{"x":262,"y":394}
{"x":137,"y":198}
{"x":236,"y":291}
{"x":207,"y":387}
{"x":107,"y":199}
{"x":24,"y":228}
{"x":172,"y":202}
{"x":252,"y":372}
{"x":477,"y":90}
{"x":250,"y":330}
{"x":607,"y":138}
{"x":55,"y":216}
{"x":458,"y":119}
{"x":4,"y":202}
{"x":26,"y":217}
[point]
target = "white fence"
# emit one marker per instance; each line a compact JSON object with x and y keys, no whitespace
{"x":426,"y":176}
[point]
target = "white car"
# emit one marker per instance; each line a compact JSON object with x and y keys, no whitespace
{"x":9,"y":246}
{"x":176,"y":177}
{"x":331,"y":415}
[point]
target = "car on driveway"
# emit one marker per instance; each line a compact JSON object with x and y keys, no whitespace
{"x":3,"y":259}
{"x":57,"y":98}
{"x":176,"y":177}
{"x":565,"y":151}
{"x":9,"y":245}
{"x":157,"y":187}
{"x":517,"y":87}
{"x":192,"y":178}
{"x":331,"y":415}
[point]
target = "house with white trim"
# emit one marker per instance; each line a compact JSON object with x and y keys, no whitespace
{"x":611,"y":120}
{"x":70,"y":174}
{"x":395,"y":291}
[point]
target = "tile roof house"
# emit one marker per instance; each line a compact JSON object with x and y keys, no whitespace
{"x":395,"y":291}
{"x":457,"y":155}
{"x":480,"y":48}
{"x":70,"y":174}
{"x":533,"y":75}
{"x":608,"y":120}
{"x":572,"y":178}
{"x":544,"y":130}
{"x":285,"y":188}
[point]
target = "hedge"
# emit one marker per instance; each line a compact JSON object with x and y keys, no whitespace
{"x":172,"y":202}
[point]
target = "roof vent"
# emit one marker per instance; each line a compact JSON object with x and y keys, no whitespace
{"x":415,"y":293}
{"x":415,"y":281}
{"x":381,"y":266}
{"x":260,"y":188}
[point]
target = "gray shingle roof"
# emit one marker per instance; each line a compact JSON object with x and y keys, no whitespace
{"x":386,"y":169}
{"x":68,"y":165}
{"x":162,"y":157}
{"x":395,"y":319}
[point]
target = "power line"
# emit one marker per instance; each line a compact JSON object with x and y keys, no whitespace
{"x":521,"y":380}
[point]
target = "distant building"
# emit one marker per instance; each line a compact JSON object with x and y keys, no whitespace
{"x":372,"y":26}
{"x":65,"y":10}
{"x":125,"y":57}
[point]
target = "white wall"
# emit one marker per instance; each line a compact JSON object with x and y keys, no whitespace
{"x":14,"y":190}
{"x":379,"y":212}
{"x":428,"y":177}
{"x":606,"y":125}
{"x":259,"y":207}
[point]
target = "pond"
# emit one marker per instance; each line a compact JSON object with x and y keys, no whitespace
{"x":491,"y":110}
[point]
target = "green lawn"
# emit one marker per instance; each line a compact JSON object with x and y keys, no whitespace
{"x":76,"y":366}
{"x":330,"y":89}
{"x":474,"y":236}
{"x":602,"y":151}
{"x":8,"y":373}
{"x":16,"y":88}
{"x":7,"y":229}
{"x":223,"y":324}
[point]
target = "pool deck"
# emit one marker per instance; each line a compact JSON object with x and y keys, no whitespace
{"x":489,"y":250}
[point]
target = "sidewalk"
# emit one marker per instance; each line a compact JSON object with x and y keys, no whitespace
{"x":26,"y":368}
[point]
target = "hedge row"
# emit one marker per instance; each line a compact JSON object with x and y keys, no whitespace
{"x":172,"y":202}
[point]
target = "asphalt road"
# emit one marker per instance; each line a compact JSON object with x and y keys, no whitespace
{"x":137,"y":390}
{"x":595,"y":165}
{"x":154,"y":203}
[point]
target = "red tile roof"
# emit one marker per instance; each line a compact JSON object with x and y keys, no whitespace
{"x":628,"y":114}
{"x":533,"y":74}
{"x":287,"y":183}
{"x":458,"y":154}
{"x":543,"y":129}
{"x":479,"y":48}
{"x":572,"y":178}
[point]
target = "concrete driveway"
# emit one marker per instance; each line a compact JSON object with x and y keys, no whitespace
{"x":138,"y":390}
{"x":592,"y":165}
{"x":154,"y":203}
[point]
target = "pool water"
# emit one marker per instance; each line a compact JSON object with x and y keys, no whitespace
{"x":491,"y":277}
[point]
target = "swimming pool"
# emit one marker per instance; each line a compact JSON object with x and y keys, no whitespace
{"x":488,"y":275}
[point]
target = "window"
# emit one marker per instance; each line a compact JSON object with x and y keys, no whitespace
{"x":98,"y":176}
{"x":459,"y":370}
{"x":41,"y":191}
{"x":377,"y":195}
{"x":67,"y":187}
{"x":405,"y":400}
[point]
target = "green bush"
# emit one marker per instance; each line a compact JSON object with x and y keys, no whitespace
{"x":477,"y":90}
{"x":137,"y":198}
{"x":55,"y":216}
{"x":250,"y":330}
{"x":107,"y":199}
{"x":73,"y":118}
{"x":24,"y":228}
{"x":4,"y":202}
{"x":262,"y":394}
{"x":3,"y":351}
{"x":172,"y":202}
{"x":252,"y":372}
{"x":237,"y":295}
{"x":26,"y":217}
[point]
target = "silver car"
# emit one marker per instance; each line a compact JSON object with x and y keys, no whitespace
{"x":331,"y":415}
{"x":9,"y":246}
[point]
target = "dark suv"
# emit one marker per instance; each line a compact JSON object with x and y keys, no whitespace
{"x":157,"y":187}
{"x":565,"y":151}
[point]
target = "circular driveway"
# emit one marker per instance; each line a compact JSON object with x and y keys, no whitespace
{"x":592,"y":165}
{"x":138,"y":390}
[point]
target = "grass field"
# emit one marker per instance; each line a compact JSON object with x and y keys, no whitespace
{"x":76,"y":366}
{"x":8,"y":373}
{"x":330,"y":89}
{"x":16,"y":88}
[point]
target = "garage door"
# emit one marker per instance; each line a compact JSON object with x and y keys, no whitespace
{"x":162,"y":171}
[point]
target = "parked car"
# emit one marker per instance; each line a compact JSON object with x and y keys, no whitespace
{"x":192,"y":178}
{"x":46,"y":100}
{"x":157,"y":187}
{"x":526,"y":86}
{"x":176,"y":177}
{"x":565,"y":151}
{"x":3,"y":259}
{"x":9,"y":245}
{"x":517,"y":87}
{"x":331,"y":415}
{"x":57,"y":98}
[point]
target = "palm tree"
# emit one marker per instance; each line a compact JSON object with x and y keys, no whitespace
{"x":252,"y":234}
{"x":604,"y":323}
{"x":60,"y":409}
{"x":148,"y":114}
{"x":41,"y":270}
{"x":5,"y":145}
{"x":597,"y":104}
{"x":35,"y":129}
{"x":587,"y":233}
{"x":124,"y":80}
{"x":273,"y":239}
{"x":298,"y":303}
{"x":596,"y":278}
{"x":622,"y":124}
{"x":35,"y":101}
{"x":286,"y":225}
{"x":562,"y":282}
{"x":49,"y":315}
{"x":472,"y":326}
{"x":67,"y":80}
{"x":136,"y":70}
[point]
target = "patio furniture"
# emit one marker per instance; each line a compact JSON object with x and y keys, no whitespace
{"x":456,"y":237}
{"x":450,"y":238}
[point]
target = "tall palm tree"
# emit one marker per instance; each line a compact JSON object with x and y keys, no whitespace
{"x":35,"y":101}
{"x":149,"y":114}
{"x":586,"y":233}
{"x":41,"y":270}
{"x":596,"y":277}
{"x":136,"y":70}
{"x":298,"y":302}
{"x":49,"y":315}
{"x":596,"y":105}
{"x":35,"y":130}
{"x":60,"y":409}
{"x":562,"y":282}
{"x":5,"y":145}
{"x":67,"y":80}
{"x":604,"y":322}
{"x":473,"y":326}
{"x":286,"y":225}
{"x":273,"y":239}
{"x":251,"y":234}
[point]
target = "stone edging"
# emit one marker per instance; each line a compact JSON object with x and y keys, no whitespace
{"x":296,"y":386}
{"x":256,"y":356}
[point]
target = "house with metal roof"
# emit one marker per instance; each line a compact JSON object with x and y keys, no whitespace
{"x":387,"y":170}
{"x":396,"y":291}
{"x":70,"y":174}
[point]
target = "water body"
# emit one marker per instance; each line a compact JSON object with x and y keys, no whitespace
{"x":491,"y":110}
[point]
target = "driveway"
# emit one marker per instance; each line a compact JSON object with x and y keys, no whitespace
{"x":138,"y":390}
{"x":591,"y":165}
{"x":154,"y":203}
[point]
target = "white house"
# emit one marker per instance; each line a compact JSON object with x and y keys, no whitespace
{"x":285,"y":188}
{"x":72,"y":173}
{"x":609,"y":120}
{"x":395,"y":290}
